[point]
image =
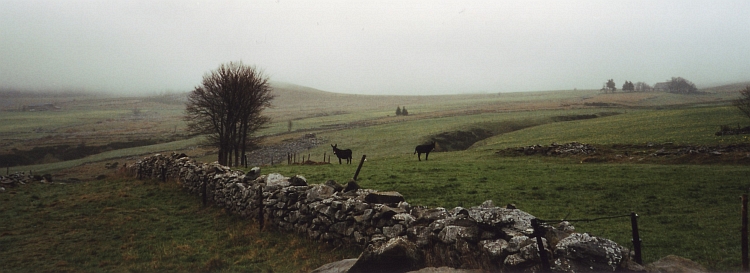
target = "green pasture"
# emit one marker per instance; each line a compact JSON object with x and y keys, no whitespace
{"x":126,"y":225}
{"x":693,"y":126}
{"x":685,"y":210}
{"x":400,"y":137}
{"x":690,"y":211}
{"x":684,"y":126}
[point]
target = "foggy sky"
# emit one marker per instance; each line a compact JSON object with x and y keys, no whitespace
{"x":372,"y":47}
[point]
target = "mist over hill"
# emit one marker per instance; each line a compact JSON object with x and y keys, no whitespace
{"x":297,"y":101}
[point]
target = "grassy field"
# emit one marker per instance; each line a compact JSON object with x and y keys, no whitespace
{"x":126,"y":225}
{"x":688,"y":206}
{"x":683,"y":126}
{"x":693,"y":125}
{"x":690,"y":210}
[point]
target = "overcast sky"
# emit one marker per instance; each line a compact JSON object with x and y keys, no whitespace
{"x":372,"y":47}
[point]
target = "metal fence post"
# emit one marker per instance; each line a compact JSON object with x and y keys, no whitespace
{"x":636,"y":238}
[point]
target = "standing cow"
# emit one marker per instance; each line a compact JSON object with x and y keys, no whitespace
{"x":426,"y":149}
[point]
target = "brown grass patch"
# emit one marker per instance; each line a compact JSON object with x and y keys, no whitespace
{"x":214,"y":264}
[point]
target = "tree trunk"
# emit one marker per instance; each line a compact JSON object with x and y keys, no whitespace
{"x":243,"y":140}
{"x":222,"y":154}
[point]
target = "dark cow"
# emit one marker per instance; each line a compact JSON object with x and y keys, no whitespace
{"x":345,"y":154}
{"x":426,"y":149}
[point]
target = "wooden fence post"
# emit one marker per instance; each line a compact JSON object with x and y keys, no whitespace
{"x":636,"y":238}
{"x":203,"y":190}
{"x":539,"y":233}
{"x":359,"y":167}
{"x":261,"y":217}
{"x":745,"y":261}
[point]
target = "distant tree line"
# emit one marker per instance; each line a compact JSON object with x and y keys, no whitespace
{"x":676,"y":85}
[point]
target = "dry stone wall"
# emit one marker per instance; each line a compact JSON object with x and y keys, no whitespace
{"x":394,"y":235}
{"x":21,"y":178}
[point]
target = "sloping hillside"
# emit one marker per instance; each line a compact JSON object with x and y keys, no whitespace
{"x":727,"y":88}
{"x":296,"y":102}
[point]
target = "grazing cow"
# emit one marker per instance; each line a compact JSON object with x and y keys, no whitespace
{"x":426,"y":149}
{"x":345,"y":154}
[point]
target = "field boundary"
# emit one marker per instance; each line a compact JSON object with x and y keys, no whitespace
{"x":483,"y":237}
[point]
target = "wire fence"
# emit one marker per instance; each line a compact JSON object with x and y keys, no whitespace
{"x":539,"y":234}
{"x":294,"y":158}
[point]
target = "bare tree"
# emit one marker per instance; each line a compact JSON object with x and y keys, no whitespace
{"x":743,"y":102}
{"x":227,"y":107}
